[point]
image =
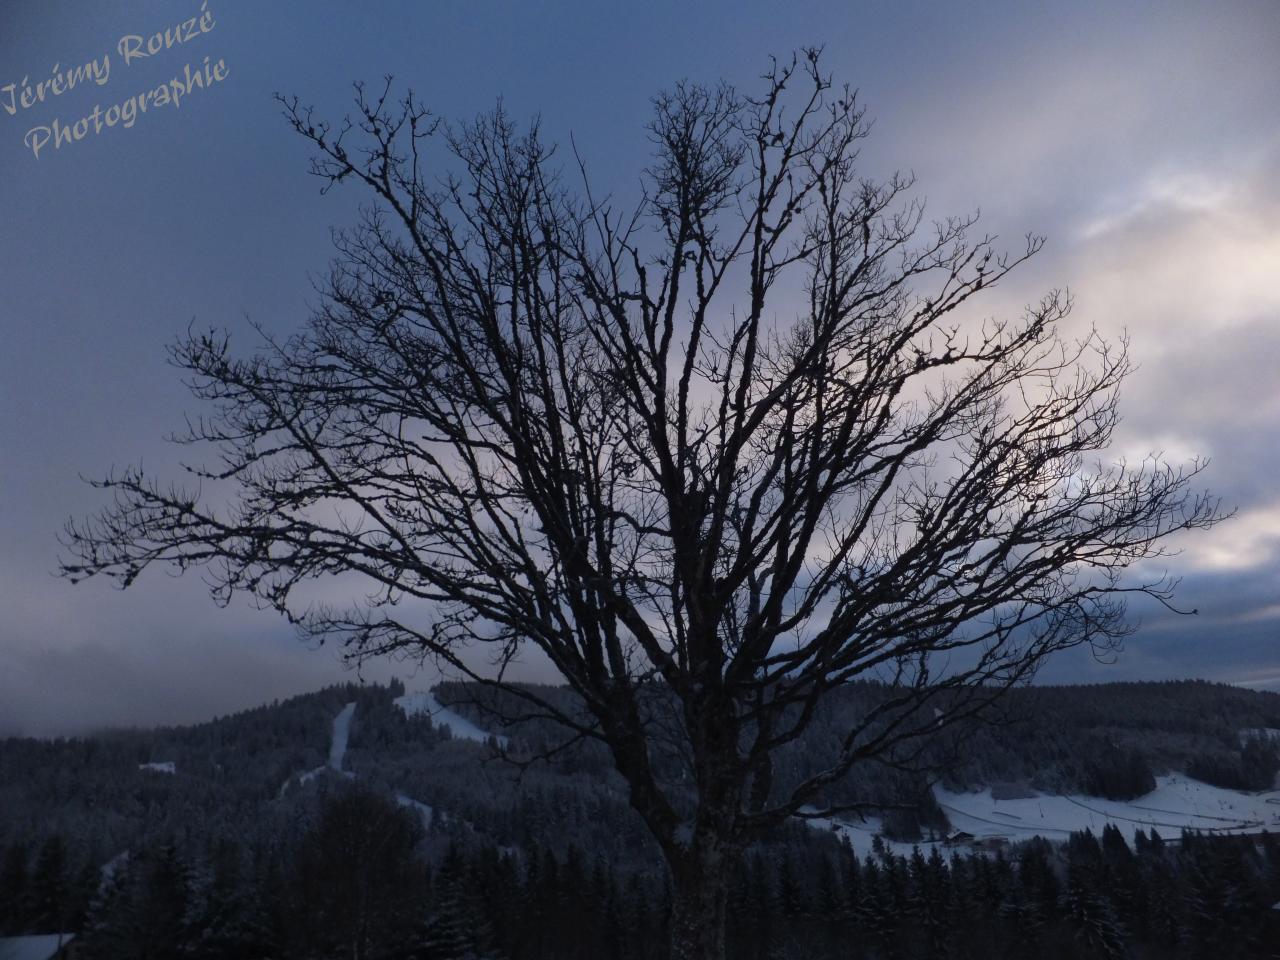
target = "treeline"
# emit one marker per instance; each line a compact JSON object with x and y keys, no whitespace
{"x":233,"y":853}
{"x":1088,"y":898}
{"x":243,"y":775}
{"x":360,"y":882}
{"x":1109,"y":740}
{"x":1051,"y":737}
{"x":229,"y":773}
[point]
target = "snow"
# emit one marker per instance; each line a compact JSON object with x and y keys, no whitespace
{"x":337,"y":750}
{"x":111,"y":867}
{"x":341,"y":734}
{"x":1260,"y":733}
{"x":167,"y":766}
{"x":42,"y":946}
{"x":305,"y":778}
{"x":1177,"y":803}
{"x":411,"y":704}
{"x":861,"y":834}
{"x":441,"y":716}
{"x":427,"y":813}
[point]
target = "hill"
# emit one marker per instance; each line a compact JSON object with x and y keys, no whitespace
{"x":239,"y":830}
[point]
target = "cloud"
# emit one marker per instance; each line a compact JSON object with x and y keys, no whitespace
{"x":1191,"y":255}
{"x":1142,"y":145}
{"x":1185,"y":260}
{"x":1245,"y":542}
{"x":1179,"y":191}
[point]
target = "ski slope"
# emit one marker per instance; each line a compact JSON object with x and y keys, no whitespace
{"x":861,"y":834}
{"x":341,"y":734}
{"x":337,"y":750}
{"x":426,"y":812}
{"x":441,"y":716}
{"x":1260,"y":733}
{"x":1178,"y":803}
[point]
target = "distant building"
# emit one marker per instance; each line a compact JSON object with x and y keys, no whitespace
{"x":39,"y":946}
{"x":957,"y":837}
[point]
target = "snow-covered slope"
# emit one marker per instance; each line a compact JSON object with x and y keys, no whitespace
{"x":341,"y":734}
{"x":442,"y":716}
{"x":337,"y":749}
{"x":1176,"y":804}
{"x":862,"y":833}
{"x":1261,"y":733}
{"x":427,"y":813}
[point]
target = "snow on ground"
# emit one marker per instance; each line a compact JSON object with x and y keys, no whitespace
{"x":861,"y":834}
{"x":311,"y":775}
{"x":337,"y":750}
{"x":442,"y":716}
{"x":167,"y":766}
{"x":38,"y":946}
{"x":341,"y":734}
{"x":426,"y":812}
{"x":1178,"y":802}
{"x":1261,"y":733}
{"x":110,"y":868}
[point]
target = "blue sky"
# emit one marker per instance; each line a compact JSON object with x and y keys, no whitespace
{"x":1141,"y":138}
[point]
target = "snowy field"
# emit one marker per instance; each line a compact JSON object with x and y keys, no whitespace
{"x":861,"y":834}
{"x":1177,"y":803}
{"x":442,"y":716}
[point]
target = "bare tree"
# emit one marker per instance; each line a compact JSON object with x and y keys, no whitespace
{"x":558,"y":423}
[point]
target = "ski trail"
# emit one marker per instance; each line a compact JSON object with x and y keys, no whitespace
{"x":441,"y":716}
{"x":427,"y":813}
{"x":341,"y":734}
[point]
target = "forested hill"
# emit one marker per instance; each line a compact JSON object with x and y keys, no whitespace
{"x":247,"y":813}
{"x":254,"y":771}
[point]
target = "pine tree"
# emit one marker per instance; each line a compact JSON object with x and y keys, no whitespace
{"x":875,"y":909}
{"x":49,"y":902}
{"x":108,"y":929}
{"x":931,"y":899}
{"x":164,"y":905}
{"x":14,"y":894}
{"x":227,"y":917}
{"x":790,"y":898}
{"x":446,"y":933}
{"x":356,"y":875}
{"x":1092,"y":918}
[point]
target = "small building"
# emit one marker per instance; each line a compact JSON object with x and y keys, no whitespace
{"x":39,"y":946}
{"x":956,"y":837}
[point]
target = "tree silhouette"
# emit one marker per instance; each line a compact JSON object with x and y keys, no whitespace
{"x":714,"y":454}
{"x":358,"y":879}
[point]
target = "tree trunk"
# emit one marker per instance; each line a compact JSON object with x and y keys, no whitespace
{"x":700,"y":876}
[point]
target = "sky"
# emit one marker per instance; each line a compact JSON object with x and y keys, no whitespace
{"x":1142,"y":139}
